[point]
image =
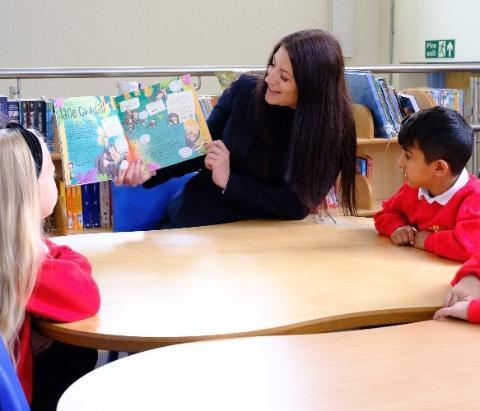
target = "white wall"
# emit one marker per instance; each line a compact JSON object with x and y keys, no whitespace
{"x":159,"y":33}
{"x":417,"y":21}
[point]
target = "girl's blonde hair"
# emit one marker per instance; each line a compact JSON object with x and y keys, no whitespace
{"x":20,"y":233}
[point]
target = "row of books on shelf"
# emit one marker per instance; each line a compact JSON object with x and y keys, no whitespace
{"x":31,"y":113}
{"x":164,"y":124}
{"x":389,"y":107}
{"x":87,"y":206}
{"x":207,"y":103}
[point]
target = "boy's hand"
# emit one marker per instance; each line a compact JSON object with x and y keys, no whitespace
{"x":403,"y":236}
{"x":458,"y":310}
{"x":420,"y":237}
{"x":467,"y":288}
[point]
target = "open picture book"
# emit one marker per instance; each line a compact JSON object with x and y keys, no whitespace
{"x":162,"y":124}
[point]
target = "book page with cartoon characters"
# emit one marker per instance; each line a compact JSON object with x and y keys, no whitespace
{"x":92,"y":139}
{"x":164,"y":123}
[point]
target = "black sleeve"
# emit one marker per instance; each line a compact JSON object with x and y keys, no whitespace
{"x":273,"y":200}
{"x":221,"y":112}
{"x":164,"y":174}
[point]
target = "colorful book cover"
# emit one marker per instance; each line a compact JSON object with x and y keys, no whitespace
{"x":162,"y":124}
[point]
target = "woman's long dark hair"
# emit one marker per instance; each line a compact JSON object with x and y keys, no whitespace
{"x":323,"y":142}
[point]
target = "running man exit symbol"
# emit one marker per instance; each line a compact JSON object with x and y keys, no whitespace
{"x":440,"y":49}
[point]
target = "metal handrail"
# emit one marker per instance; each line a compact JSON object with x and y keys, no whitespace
{"x":103,"y":72}
{"x":96,"y":72}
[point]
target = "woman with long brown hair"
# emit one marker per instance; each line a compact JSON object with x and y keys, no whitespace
{"x":281,"y":141}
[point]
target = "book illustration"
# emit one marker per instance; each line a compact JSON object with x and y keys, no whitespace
{"x":92,"y":140}
{"x":162,"y":124}
{"x":225,"y":78}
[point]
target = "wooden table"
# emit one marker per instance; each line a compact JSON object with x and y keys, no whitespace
{"x":428,"y":365}
{"x":248,"y":279}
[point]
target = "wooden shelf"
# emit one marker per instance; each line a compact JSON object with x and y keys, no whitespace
{"x":377,"y":141}
{"x":377,"y":206}
{"x":386,"y":176}
{"x":89,"y":231}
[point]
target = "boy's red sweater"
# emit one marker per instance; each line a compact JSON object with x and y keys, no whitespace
{"x":455,"y":226}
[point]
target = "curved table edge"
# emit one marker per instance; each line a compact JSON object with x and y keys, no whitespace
{"x":341,"y":322}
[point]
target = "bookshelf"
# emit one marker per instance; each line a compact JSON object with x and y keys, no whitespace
{"x":386,"y":178}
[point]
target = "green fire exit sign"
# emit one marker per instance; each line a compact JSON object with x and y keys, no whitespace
{"x":439,"y":49}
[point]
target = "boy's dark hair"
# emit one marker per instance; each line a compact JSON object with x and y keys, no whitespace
{"x":440,"y":133}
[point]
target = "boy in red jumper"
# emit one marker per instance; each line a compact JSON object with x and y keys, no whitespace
{"x":438,"y":208}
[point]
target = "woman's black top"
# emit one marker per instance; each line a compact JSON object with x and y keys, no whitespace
{"x":257,"y":187}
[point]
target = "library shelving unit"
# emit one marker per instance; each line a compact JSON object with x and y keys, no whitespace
{"x":386,"y":177}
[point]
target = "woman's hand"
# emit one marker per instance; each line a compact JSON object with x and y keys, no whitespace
{"x":134,"y":174}
{"x":218,"y":161}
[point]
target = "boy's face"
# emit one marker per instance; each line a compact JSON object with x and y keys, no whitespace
{"x":418,"y":173}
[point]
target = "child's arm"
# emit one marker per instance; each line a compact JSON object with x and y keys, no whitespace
{"x":403,"y":236}
{"x":464,"y":240}
{"x":459,"y":310}
{"x":466,"y":288}
{"x":463,"y":300}
{"x":392,"y":218}
{"x":464,"y":310}
{"x":471,"y":268}
{"x":65,"y":289}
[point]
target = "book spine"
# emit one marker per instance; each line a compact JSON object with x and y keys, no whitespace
{"x":4,"y":108}
{"x":95,"y":204}
{"x":31,"y":113}
{"x":77,"y":212}
{"x":388,"y":105}
{"x":105,"y":220}
{"x":39,"y":114}
{"x":361,"y":166}
{"x":386,"y":128}
{"x":49,"y":134}
{"x":86,"y":212}
{"x":61,"y":220}
{"x":23,"y":114}
{"x":69,"y":207}
{"x":14,"y":111}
